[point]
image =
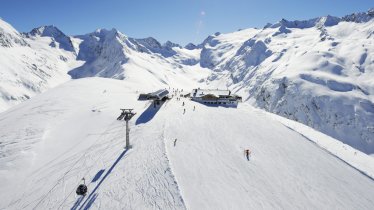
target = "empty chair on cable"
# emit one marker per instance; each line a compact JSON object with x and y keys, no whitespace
{"x":82,"y":188}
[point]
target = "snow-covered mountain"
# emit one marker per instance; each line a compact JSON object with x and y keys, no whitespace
{"x":111,"y":54}
{"x":317,"y":72}
{"x":64,"y":41}
{"x":45,"y":57}
{"x":32,"y":63}
{"x":9,"y":36}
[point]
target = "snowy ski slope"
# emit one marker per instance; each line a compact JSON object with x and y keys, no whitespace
{"x":51,"y":141}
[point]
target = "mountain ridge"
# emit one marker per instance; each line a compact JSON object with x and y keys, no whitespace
{"x":271,"y":67}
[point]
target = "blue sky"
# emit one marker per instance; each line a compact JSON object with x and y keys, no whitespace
{"x":180,"y":21}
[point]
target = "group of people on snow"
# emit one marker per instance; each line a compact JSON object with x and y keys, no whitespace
{"x":247,"y":152}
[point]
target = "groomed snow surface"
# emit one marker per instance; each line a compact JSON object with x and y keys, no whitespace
{"x":51,"y":141}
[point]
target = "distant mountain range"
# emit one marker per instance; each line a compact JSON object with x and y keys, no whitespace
{"x":319,"y":71}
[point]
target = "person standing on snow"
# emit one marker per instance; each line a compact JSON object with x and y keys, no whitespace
{"x":175,"y":142}
{"x":247,"y":153}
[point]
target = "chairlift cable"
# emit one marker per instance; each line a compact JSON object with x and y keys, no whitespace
{"x":87,"y":173}
{"x":89,"y":169}
{"x":63,"y":176}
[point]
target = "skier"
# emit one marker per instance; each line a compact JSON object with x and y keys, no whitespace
{"x":194,"y":108}
{"x":184,"y":111}
{"x":247,"y":153}
{"x":183,"y":103}
{"x":175,"y":142}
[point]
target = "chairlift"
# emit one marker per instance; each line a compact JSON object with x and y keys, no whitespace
{"x":82,"y":188}
{"x":121,"y":116}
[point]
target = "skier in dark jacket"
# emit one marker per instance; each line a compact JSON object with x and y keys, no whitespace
{"x":247,"y":153}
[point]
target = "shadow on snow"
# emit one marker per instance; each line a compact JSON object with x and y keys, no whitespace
{"x":148,"y":114}
{"x":93,"y":195}
{"x":98,"y":175}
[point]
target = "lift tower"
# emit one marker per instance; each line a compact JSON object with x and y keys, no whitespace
{"x":126,"y":115}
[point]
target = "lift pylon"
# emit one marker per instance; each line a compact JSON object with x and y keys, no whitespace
{"x":126,"y":115}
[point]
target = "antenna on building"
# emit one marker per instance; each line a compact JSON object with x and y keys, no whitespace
{"x":126,"y":115}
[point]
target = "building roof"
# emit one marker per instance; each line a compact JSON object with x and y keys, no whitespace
{"x":215,"y":92}
{"x":160,"y":93}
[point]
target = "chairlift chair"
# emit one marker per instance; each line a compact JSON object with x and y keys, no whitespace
{"x":82,"y":188}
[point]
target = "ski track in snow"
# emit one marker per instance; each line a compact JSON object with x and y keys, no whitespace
{"x":285,"y":171}
{"x":139,"y":178}
{"x":153,"y":187}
